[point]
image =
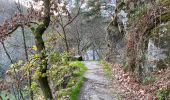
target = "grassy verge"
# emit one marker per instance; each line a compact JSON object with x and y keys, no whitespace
{"x":80,"y":74}
{"x":107,"y":68}
{"x":108,"y":71}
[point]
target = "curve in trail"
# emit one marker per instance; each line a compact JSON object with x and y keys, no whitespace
{"x":96,"y":86}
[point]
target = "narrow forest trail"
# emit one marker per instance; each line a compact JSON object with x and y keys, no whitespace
{"x":96,"y":86}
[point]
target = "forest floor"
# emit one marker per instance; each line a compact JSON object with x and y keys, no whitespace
{"x":97,"y":85}
{"x":155,"y":85}
{"x":122,"y":86}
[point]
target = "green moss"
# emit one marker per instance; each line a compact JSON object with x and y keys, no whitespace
{"x":75,"y":91}
{"x":160,"y":35}
{"x":164,"y":94}
{"x":125,"y":67}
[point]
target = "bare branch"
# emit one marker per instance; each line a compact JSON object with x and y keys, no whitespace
{"x":73,"y":18}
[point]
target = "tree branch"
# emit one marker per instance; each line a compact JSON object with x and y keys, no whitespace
{"x":73,"y":18}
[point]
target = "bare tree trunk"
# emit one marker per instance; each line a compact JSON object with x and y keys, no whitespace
{"x":26,"y":57}
{"x":78,"y":48}
{"x":65,"y":39}
{"x":78,"y":41}
{"x":94,"y":58}
{"x":25,"y":45}
{"x":25,"y":48}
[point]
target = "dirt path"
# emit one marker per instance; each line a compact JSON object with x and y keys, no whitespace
{"x":97,"y":86}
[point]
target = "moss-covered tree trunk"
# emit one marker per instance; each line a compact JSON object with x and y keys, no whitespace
{"x":42,"y":80}
{"x":39,"y":31}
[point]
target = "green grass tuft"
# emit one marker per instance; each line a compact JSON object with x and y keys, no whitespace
{"x":75,"y":90}
{"x":107,"y":69}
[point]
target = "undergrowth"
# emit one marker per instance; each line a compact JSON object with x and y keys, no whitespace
{"x":75,"y":91}
{"x":65,"y":77}
{"x":107,"y":68}
{"x":148,"y":80}
{"x":163,"y":94}
{"x":73,"y":82}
